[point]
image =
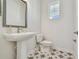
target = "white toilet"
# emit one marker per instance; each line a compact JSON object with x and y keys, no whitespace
{"x":42,"y":43}
{"x":41,"y":40}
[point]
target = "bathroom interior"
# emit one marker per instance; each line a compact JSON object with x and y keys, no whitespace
{"x":38,"y":29}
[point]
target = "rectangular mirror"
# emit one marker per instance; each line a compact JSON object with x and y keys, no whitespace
{"x":54,"y":9}
{"x":14,"y":13}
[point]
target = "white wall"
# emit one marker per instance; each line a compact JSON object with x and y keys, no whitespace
{"x":33,"y":15}
{"x":6,"y":48}
{"x":58,"y":31}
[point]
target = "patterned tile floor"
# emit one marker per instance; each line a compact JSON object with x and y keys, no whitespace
{"x":49,"y":53}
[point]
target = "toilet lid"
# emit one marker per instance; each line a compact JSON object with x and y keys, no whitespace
{"x":46,"y":43}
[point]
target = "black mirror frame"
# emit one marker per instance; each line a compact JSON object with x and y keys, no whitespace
{"x":4,"y":16}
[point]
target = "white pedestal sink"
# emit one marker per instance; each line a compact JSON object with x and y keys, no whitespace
{"x":19,"y":36}
{"x":25,"y":42}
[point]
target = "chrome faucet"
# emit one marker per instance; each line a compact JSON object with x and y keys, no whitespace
{"x":19,"y":29}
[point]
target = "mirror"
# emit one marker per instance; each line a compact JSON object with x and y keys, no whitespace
{"x":14,"y":13}
{"x":54,"y":9}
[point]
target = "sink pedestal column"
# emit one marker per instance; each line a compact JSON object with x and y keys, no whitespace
{"x":24,"y":46}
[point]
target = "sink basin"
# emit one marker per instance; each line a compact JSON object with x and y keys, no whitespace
{"x":19,"y":36}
